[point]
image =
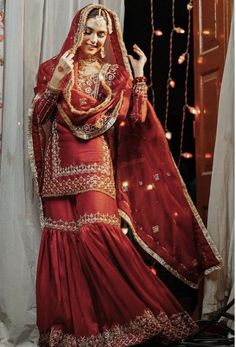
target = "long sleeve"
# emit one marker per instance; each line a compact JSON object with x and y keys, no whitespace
{"x":139,"y":100}
{"x":45,"y":105}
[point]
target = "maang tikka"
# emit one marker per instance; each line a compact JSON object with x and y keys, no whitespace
{"x":99,"y":18}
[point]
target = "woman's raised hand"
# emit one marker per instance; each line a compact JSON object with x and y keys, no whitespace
{"x":64,"y":66}
{"x":138,"y":64}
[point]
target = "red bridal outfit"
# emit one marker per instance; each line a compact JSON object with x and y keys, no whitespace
{"x":99,"y":155}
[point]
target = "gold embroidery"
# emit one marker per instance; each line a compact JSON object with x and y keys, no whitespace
{"x":140,"y":329}
{"x":78,"y":185}
{"x":154,"y":254}
{"x":31,"y":155}
{"x":84,"y":219}
{"x":89,"y":84}
{"x":89,"y":131}
{"x":104,"y":168}
{"x":90,"y":176}
{"x":92,"y":110}
{"x":111,"y":73}
{"x":200,"y":223}
{"x":77,"y":42}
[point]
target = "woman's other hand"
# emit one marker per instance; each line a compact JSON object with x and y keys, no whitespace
{"x":64,"y":66}
{"x":138,"y":64}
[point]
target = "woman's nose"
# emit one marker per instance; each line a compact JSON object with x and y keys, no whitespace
{"x":94,"y":38}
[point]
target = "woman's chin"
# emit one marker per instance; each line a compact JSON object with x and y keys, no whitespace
{"x":90,"y":52}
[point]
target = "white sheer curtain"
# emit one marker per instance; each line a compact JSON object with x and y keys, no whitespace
{"x":35,"y":30}
{"x":219,"y":285}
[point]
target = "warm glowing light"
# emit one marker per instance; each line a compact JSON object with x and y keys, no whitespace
{"x":176,"y":214}
{"x":153,"y":270}
{"x":158,"y":32}
{"x":125,"y":230}
{"x":189,"y":6}
{"x":172,"y":83}
{"x":208,"y":155}
{"x":181,"y":58}
{"x":192,"y":109}
{"x":156,"y":177}
{"x":187,"y":155}
{"x":200,"y":60}
{"x":125,"y":186}
{"x":179,"y":30}
{"x":150,"y":186}
{"x":122,"y":124}
{"x":168,"y":135}
{"x":206,"y":32}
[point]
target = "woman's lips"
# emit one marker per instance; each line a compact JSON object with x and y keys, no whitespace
{"x":91,"y":46}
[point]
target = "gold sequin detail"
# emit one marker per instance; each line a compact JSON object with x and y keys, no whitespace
{"x":74,"y":179}
{"x":139,"y":329}
{"x":87,"y":218}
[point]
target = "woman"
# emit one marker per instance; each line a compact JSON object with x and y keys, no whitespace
{"x":100,"y":157}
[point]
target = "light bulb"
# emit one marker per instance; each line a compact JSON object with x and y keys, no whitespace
{"x":189,"y":6}
{"x":150,"y":186}
{"x":158,"y":32}
{"x":125,"y":186}
{"x":181,"y":58}
{"x":192,"y":109}
{"x":172,"y":83}
{"x":187,"y":155}
{"x":208,"y":155}
{"x":122,"y":124}
{"x":179,"y":30}
{"x":168,"y":135}
{"x":125,"y":230}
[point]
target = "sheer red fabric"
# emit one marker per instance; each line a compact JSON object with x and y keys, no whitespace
{"x":93,"y":167}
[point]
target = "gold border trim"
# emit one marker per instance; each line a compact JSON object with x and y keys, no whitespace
{"x":200,"y":223}
{"x":32,"y":158}
{"x":78,"y":131}
{"x":155,"y":255}
{"x":67,"y":93}
{"x":139,"y":329}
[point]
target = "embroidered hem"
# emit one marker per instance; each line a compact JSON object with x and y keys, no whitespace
{"x":84,"y":219}
{"x":136,"y":331}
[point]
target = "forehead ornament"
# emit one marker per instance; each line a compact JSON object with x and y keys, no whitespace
{"x":99,"y":19}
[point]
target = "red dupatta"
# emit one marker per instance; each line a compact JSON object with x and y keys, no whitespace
{"x":151,"y":195}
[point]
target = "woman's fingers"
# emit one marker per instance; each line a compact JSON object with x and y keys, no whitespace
{"x":67,"y":53}
{"x":140,"y":53}
{"x":138,"y":50}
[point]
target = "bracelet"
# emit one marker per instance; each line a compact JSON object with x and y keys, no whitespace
{"x":140,"y":79}
{"x":140,"y":88}
{"x":51,"y":95}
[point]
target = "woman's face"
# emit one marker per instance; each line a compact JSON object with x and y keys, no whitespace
{"x":94,"y":36}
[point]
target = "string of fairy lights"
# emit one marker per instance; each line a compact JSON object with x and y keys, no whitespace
{"x":170,"y":83}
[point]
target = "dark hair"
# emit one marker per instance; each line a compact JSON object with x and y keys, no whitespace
{"x":95,"y":12}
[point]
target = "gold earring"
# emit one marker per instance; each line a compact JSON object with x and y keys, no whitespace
{"x":102,"y":53}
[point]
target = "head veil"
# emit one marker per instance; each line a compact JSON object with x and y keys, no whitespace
{"x":115,"y":51}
